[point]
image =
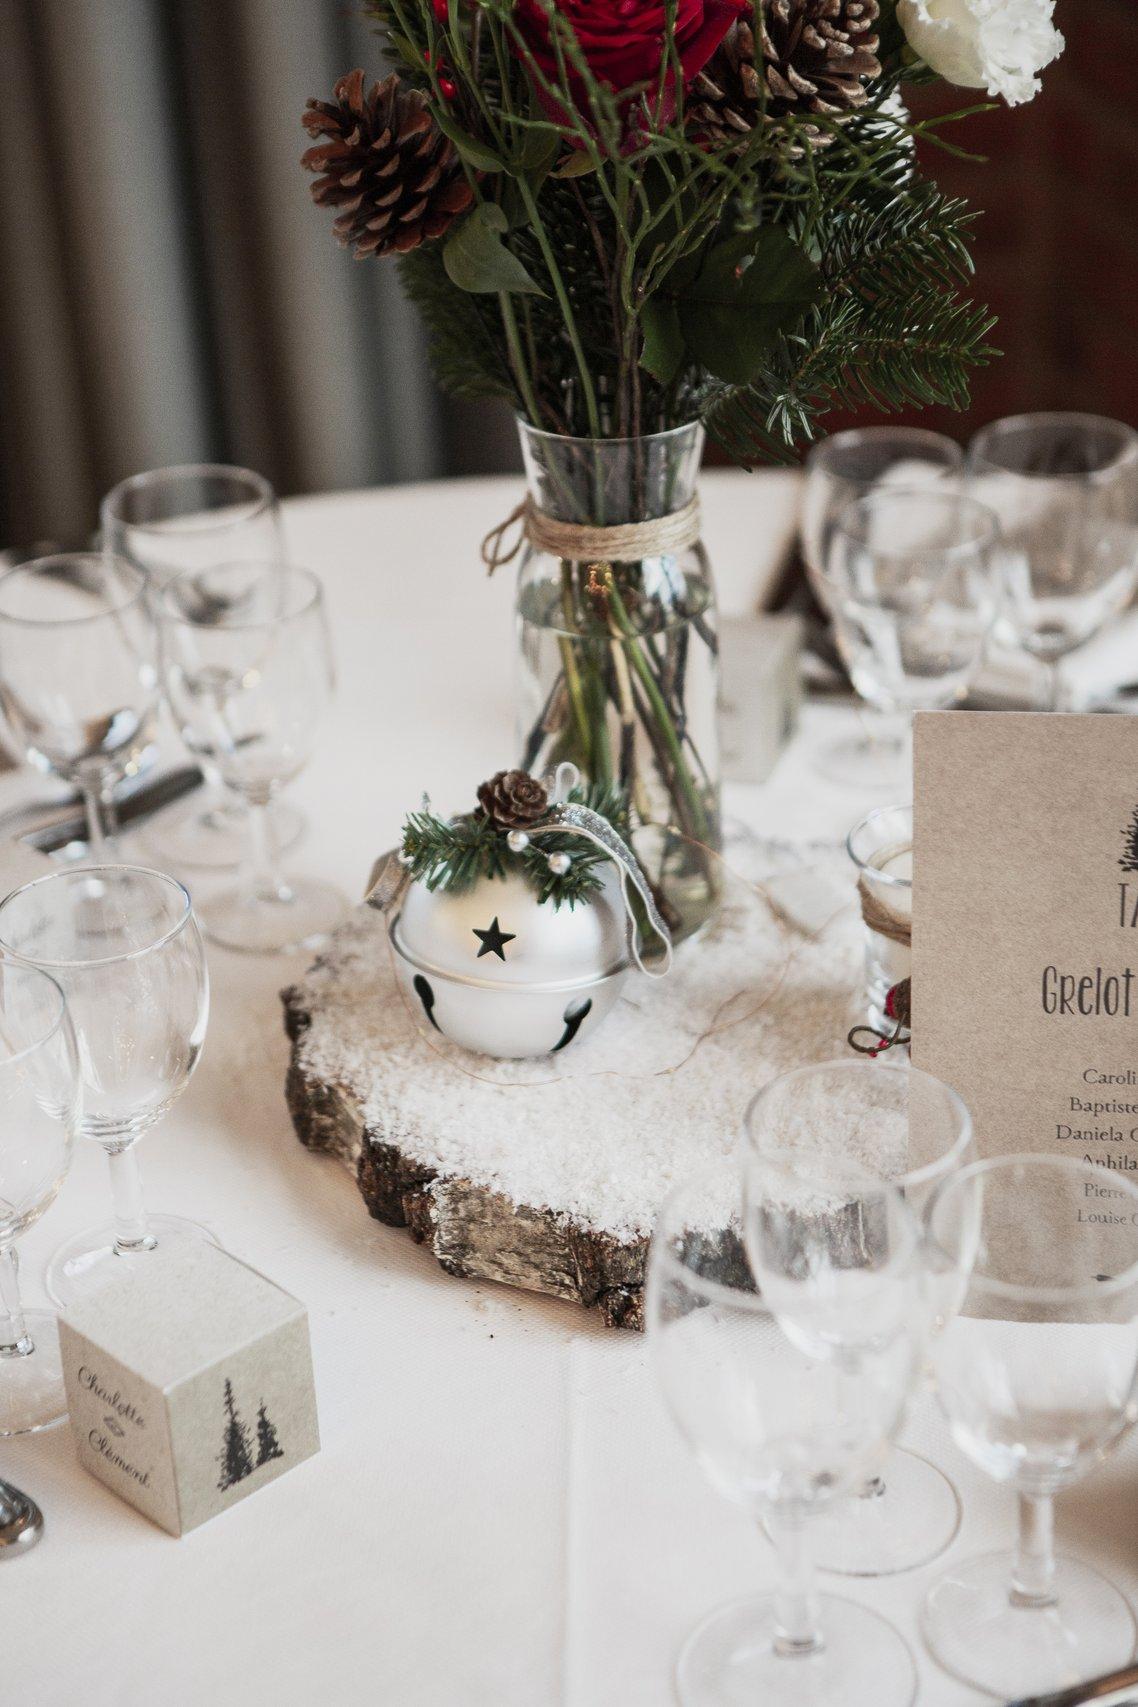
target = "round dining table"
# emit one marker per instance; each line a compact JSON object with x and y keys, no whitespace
{"x":501,"y":1513}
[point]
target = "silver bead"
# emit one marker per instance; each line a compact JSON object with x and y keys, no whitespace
{"x":559,"y":863}
{"x":517,"y":841}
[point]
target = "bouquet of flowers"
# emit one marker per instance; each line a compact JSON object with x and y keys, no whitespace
{"x":633,"y":217}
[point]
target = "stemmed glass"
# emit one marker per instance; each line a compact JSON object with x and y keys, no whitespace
{"x":79,"y":680}
{"x":1038,"y":1376}
{"x":915,"y":1132}
{"x":248,"y":667}
{"x":166,"y":522}
{"x":912,"y":581}
{"x":786,"y":1400}
{"x":39,"y":1083}
{"x":1065,"y":488}
{"x":122,"y":943}
{"x":838,"y":471}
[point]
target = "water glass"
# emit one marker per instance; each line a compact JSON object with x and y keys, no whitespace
{"x":906,"y":1127}
{"x":248,"y":670}
{"x":39,"y":1085}
{"x":79,"y":680}
{"x":912,"y":577}
{"x":881,"y":847}
{"x":1038,"y":1376}
{"x":122,"y":944}
{"x":786,"y":1398}
{"x":167,"y":522}
{"x":1065,"y":488}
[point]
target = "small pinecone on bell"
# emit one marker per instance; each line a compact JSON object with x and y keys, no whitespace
{"x":387,"y":168}
{"x":814,"y":56}
{"x":513,"y":800}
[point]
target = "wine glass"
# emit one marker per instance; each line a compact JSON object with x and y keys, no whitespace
{"x":837,"y":471}
{"x":168,"y":521}
{"x":122,"y":943}
{"x":915,"y":1132}
{"x":39,"y":1084}
{"x":786,"y":1400}
{"x":912,"y":581}
{"x":1065,"y":488}
{"x":1038,"y":1377}
{"x":79,"y":680}
{"x":248,"y":668}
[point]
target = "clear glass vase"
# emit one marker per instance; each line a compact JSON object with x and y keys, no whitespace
{"x":618,"y":661}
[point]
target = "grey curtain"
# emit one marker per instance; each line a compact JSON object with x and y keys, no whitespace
{"x":168,"y":292}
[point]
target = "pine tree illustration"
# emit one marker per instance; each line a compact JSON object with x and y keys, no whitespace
{"x":1129,"y":860}
{"x":235,"y":1457}
{"x":268,"y":1446}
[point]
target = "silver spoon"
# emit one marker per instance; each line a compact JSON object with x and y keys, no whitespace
{"x":21,"y":1521}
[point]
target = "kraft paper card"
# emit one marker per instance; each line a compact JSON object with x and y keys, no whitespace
{"x":1025,"y":927}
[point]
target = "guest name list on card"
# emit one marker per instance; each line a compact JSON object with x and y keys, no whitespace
{"x":1025,"y":927}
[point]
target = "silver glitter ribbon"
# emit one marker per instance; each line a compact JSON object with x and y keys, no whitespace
{"x":574,"y":819}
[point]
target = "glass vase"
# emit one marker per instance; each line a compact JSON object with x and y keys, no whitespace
{"x":618,"y":661}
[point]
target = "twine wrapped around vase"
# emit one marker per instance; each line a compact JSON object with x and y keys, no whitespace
{"x":880,"y":917}
{"x":627,"y":542}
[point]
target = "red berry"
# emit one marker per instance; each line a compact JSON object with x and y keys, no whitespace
{"x":441,"y":10}
{"x":448,"y":88}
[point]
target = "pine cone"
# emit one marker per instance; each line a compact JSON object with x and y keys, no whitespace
{"x":388,"y":168}
{"x":816,"y":56}
{"x":513,"y":800}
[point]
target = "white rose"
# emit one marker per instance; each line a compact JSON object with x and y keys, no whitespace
{"x":997,"y":45}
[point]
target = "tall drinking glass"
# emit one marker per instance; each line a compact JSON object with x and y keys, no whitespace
{"x":122,"y":944}
{"x":881,"y":847}
{"x":1065,"y":488}
{"x":1038,"y":1376}
{"x":248,"y":668}
{"x":786,"y":1399}
{"x":39,"y":1083}
{"x":838,"y":471}
{"x":166,"y":522}
{"x":914,"y":1131}
{"x":912,"y":578}
{"x":79,"y":680}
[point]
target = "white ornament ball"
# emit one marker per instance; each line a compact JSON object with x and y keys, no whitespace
{"x":559,"y":863}
{"x":517,"y":841}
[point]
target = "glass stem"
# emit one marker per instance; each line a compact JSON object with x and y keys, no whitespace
{"x":261,"y":881}
{"x":796,"y":1601}
{"x":1056,"y":688}
{"x":94,"y":794}
{"x":14,"y":1338}
{"x":131,"y":1231}
{"x":1033,"y":1575}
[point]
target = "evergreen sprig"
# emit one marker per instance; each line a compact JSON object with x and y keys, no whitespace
{"x":453,"y":854}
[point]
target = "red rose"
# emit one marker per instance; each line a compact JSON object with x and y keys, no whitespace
{"x":622,"y":40}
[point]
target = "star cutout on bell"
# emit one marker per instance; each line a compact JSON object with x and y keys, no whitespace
{"x":493,"y":940}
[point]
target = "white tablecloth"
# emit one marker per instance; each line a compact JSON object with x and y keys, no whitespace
{"x":501,"y":1514}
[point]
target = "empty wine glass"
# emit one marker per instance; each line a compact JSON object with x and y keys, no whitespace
{"x":838,"y":471}
{"x":914,"y":1131}
{"x":39,"y":1085}
{"x":122,"y":943}
{"x":1065,"y":489}
{"x":79,"y":681}
{"x":1038,"y":1376}
{"x":912,"y":582}
{"x":166,"y":522}
{"x":248,"y":669}
{"x":786,"y":1400}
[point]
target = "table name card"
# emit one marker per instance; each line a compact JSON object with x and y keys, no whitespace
{"x":1025,"y":927}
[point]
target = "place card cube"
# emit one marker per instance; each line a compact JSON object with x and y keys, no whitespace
{"x":760,"y":692}
{"x":189,"y":1383}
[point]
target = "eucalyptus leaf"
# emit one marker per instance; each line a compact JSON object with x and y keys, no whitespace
{"x":663,"y":339}
{"x":477,"y":260}
{"x":576,"y":165}
{"x":477,"y":153}
{"x":750,"y":290}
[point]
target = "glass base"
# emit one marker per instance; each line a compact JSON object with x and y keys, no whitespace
{"x":869,"y":760}
{"x":729,"y":1661}
{"x":31,"y":1385}
{"x":302,"y":918}
{"x":974,"y":1630}
{"x":85,"y":1262}
{"x":909,"y":1519}
{"x":214,"y":832}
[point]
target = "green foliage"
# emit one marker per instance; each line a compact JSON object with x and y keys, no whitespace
{"x":477,"y":260}
{"x":454,"y":854}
